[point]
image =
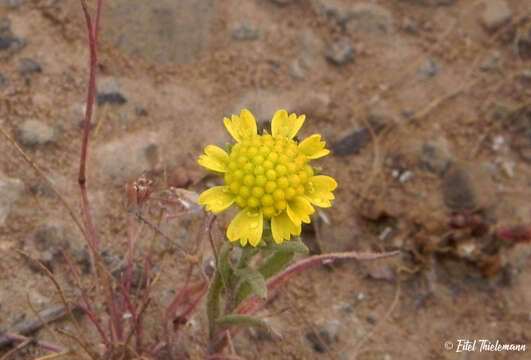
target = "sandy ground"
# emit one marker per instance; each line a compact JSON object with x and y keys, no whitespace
{"x":424,"y":103}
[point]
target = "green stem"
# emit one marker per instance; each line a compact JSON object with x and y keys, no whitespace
{"x":213,"y":303}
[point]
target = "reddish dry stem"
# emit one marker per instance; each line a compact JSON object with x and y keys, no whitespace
{"x":87,"y":308}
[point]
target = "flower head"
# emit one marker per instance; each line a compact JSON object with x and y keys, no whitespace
{"x":268,"y":177}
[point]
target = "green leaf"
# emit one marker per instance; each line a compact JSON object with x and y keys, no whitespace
{"x":255,"y":280}
{"x":293,"y":246}
{"x":275,"y":263}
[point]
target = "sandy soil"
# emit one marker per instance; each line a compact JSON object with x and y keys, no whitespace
{"x":425,"y":105}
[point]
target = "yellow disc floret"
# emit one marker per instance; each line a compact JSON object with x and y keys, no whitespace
{"x":264,"y":170}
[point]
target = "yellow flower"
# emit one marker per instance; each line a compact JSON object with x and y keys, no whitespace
{"x":268,"y":177}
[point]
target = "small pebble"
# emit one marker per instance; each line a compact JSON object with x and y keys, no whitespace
{"x":33,"y":132}
{"x":141,"y":111}
{"x":29,"y":66}
{"x":428,"y":70}
{"x":340,"y":52}
{"x":405,"y":176}
{"x":497,"y":143}
{"x":245,"y":32}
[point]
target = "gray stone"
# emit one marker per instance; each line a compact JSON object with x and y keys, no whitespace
{"x":160,"y":31}
{"x":435,"y":158}
{"x":495,"y":14}
{"x":263,"y":103}
{"x":428,"y":70}
{"x":458,"y":191}
{"x":9,"y":43}
{"x":492,"y":62}
{"x":369,"y":18}
{"x":340,"y":52}
{"x":245,"y":31}
{"x":325,"y":336}
{"x":126,"y":158}
{"x":3,"y":79}
{"x":13,"y":3}
{"x":11,"y":190}
{"x":34,"y":132}
{"x":467,"y":186}
{"x":353,"y":141}
{"x":523,"y":45}
{"x":29,"y":66}
{"x":109,"y":91}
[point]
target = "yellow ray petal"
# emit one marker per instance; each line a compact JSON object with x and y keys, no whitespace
{"x":248,"y":123}
{"x":216,"y":199}
{"x":284,"y":125}
{"x":313,"y":147}
{"x":247,"y":226}
{"x":282,"y":228}
{"x":320,"y":190}
{"x":215,"y":158}
{"x":242,"y":126}
{"x":299,"y":210}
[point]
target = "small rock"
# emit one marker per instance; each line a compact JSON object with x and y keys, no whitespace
{"x":435,"y":158}
{"x":263,"y":103}
{"x":405,"y":176}
{"x":162,"y":31}
{"x":409,"y":26}
{"x":498,"y":143}
{"x":13,"y":3}
{"x":141,"y":111}
{"x":9,"y":43}
{"x":111,"y":98}
{"x":3,"y":79}
{"x":313,"y":104}
{"x":353,"y":141}
{"x":428,"y":70}
{"x":127,"y":157}
{"x":492,"y":63}
{"x":109,"y":92}
{"x":296,"y":68}
{"x":369,"y":18}
{"x":245,"y":31}
{"x":42,"y":189}
{"x":523,"y":45}
{"x":467,"y":187}
{"x":495,"y":14}
{"x":340,"y":52}
{"x":34,"y":132}
{"x":11,"y":190}
{"x":324,"y":336}
{"x":29,"y":66}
